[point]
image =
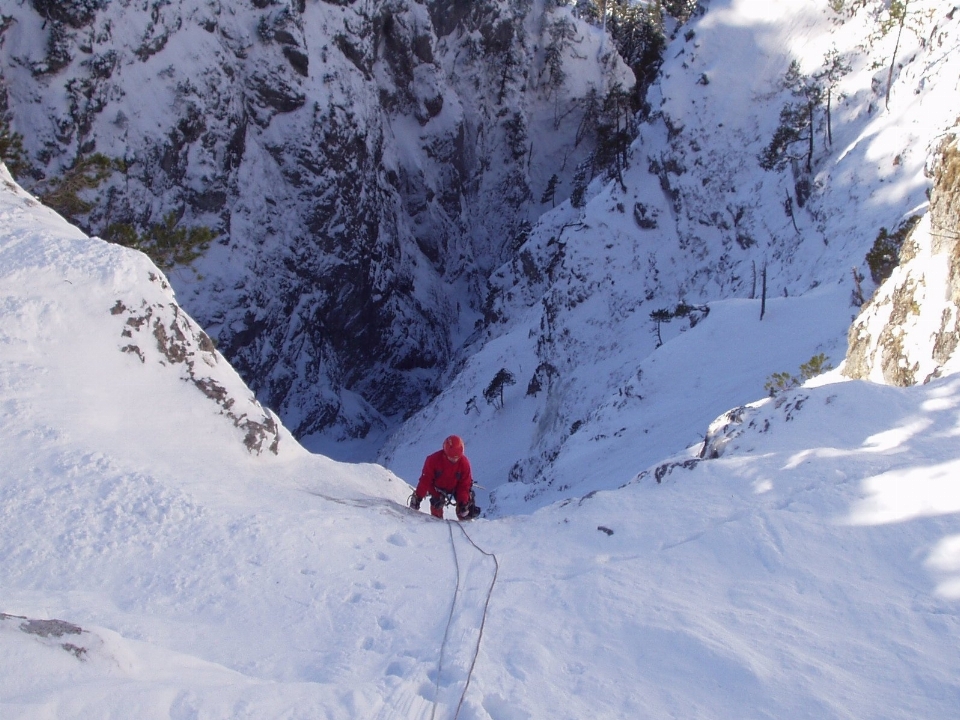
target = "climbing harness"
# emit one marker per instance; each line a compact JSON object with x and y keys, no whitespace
{"x":442,"y":498}
{"x":453,"y":604}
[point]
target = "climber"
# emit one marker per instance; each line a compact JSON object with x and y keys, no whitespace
{"x":446,"y":477}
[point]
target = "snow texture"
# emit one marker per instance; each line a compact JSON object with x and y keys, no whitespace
{"x":154,"y":565}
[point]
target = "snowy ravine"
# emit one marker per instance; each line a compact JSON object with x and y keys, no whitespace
{"x":696,"y":221}
{"x":153,"y":565}
{"x":168,"y":550}
{"x":365,"y":165}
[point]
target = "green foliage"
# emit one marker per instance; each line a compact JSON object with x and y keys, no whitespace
{"x":660,"y":316}
{"x":683,"y":310}
{"x":64,"y":193}
{"x":682,"y":10}
{"x":550,"y":193}
{"x":895,"y":16}
{"x":579,"y":191}
{"x":884,"y":256}
{"x":693,"y":313}
{"x":543,"y":375}
{"x":833,"y":69}
{"x":494,"y":392}
{"x":637,"y":29}
{"x":817,"y":365}
{"x":797,"y":116}
{"x":588,"y":10}
{"x":796,"y":121}
{"x":615,"y":129}
{"x":562,"y":32}
{"x":11,"y":150}
{"x":165,"y":243}
{"x":782,"y":381}
{"x":792,"y":129}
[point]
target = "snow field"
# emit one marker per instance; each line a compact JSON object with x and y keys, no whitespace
{"x":812,"y":570}
{"x":809,"y":570}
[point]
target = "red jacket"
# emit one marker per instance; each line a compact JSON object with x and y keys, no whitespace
{"x":440,"y":473}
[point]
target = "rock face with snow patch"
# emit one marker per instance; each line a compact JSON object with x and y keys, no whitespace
{"x":58,"y":634}
{"x":161,"y":332}
{"x":908,"y":333}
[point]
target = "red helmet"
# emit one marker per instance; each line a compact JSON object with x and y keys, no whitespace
{"x":453,"y":447}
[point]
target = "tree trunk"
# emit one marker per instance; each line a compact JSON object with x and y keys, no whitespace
{"x":763,"y":291}
{"x":829,"y":125}
{"x":893,"y":60}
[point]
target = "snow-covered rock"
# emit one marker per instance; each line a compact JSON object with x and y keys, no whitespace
{"x":909,"y":331}
{"x":115,"y":298}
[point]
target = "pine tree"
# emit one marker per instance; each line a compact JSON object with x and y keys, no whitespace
{"x":63,"y":193}
{"x":12,"y":152}
{"x":796,"y":122}
{"x":549,"y":195}
{"x":659,"y":317}
{"x":165,"y":243}
{"x":494,"y":392}
{"x":579,"y":191}
{"x":834,"y":68}
{"x":614,"y":133}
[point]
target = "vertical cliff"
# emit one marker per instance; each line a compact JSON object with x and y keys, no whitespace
{"x":909,"y":331}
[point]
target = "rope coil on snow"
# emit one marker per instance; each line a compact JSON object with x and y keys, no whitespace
{"x":483,"y":620}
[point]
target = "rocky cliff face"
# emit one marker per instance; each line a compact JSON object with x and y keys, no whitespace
{"x":365,"y":165}
{"x":909,"y":331}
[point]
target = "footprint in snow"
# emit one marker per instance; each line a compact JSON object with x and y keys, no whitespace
{"x":398,"y":540}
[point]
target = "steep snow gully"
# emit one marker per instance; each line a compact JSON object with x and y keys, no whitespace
{"x":810,"y":570}
{"x":159,"y":562}
{"x":475,"y":573}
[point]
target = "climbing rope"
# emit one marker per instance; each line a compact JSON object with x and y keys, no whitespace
{"x":446,"y":632}
{"x":483,"y":620}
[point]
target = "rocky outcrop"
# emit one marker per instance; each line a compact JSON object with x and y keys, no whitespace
{"x":157,"y":332}
{"x":909,"y":331}
{"x":54,"y":634}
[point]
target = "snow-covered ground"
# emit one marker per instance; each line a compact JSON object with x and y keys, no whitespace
{"x":812,"y":571}
{"x":159,"y":560}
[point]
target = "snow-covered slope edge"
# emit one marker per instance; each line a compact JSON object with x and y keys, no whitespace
{"x":134,"y":298}
{"x":137,"y":473}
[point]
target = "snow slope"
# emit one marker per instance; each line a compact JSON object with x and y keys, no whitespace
{"x":153,"y":566}
{"x":156,"y":564}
